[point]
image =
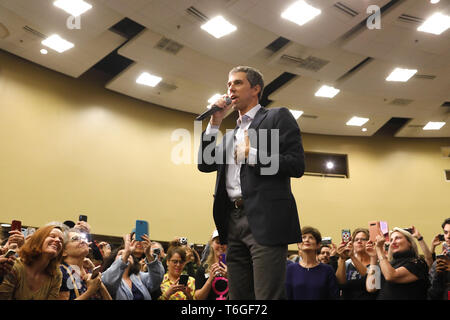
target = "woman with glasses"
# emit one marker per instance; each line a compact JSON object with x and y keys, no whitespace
{"x":77,"y":284}
{"x":352,"y":267}
{"x":171,"y":289}
{"x":123,"y":276}
{"x":36,"y":274}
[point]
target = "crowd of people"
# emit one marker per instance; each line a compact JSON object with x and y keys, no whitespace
{"x":59,"y":262}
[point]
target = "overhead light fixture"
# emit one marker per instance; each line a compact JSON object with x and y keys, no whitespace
{"x":300,"y":13}
{"x":218,"y":27}
{"x":57,"y":43}
{"x":357,"y":121}
{"x":434,"y":1}
{"x":364,"y":129}
{"x":214,"y":98}
{"x":401,"y":75}
{"x":330,"y":165}
{"x":44,"y":51}
{"x":296,"y":113}
{"x":148,"y":79}
{"x":433,"y":125}
{"x":73,"y":7}
{"x":436,"y":24}
{"x":327,"y":92}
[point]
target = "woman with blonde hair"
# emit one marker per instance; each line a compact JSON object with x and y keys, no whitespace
{"x":36,"y":274}
{"x":211,"y":279}
{"x":404,"y":275}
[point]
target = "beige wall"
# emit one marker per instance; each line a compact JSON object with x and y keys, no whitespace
{"x":70,"y":146}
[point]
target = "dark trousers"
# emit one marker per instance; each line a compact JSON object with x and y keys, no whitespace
{"x":254,"y":271}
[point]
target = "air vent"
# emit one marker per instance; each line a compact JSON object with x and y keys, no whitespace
{"x":166,"y":86}
{"x":345,"y":9}
{"x":169,"y":45}
{"x":401,"y":102}
{"x":309,"y":116}
{"x":424,"y":77}
{"x":34,"y":32}
{"x":311,"y":63}
{"x":197,"y":14}
{"x":410,"y":19}
{"x":277,"y":44}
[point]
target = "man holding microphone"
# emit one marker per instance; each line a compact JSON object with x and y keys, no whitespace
{"x":254,"y":209}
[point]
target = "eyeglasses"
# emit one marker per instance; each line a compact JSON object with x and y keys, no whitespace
{"x":78,"y":238}
{"x":176,"y":261}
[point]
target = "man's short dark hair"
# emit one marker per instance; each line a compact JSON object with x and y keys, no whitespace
{"x":254,"y":76}
{"x":446,"y":221}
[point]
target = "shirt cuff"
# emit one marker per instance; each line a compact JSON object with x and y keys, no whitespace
{"x":210,"y":129}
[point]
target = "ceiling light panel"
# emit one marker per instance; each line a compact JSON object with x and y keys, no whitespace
{"x":434,"y":125}
{"x":296,"y":113}
{"x":300,"y":13}
{"x":57,"y":43}
{"x":327,"y":92}
{"x":219,"y":27}
{"x":148,"y":79}
{"x":401,"y":75}
{"x":357,"y":121}
{"x":73,"y":7}
{"x":436,"y":24}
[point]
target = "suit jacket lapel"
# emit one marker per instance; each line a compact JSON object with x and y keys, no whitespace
{"x":260,"y":115}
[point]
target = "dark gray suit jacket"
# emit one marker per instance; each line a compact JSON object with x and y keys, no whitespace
{"x":268,"y":200}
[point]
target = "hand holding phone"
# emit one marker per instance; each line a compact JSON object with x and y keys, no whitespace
{"x":16,"y":225}
{"x":95,"y":272}
{"x":441,"y":237}
{"x":183,"y":280}
{"x":141,"y":229}
{"x":346,"y":235}
{"x":10,"y":253}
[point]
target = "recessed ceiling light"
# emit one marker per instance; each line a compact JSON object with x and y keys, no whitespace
{"x":300,"y":12}
{"x":148,"y":79}
{"x":214,"y":98}
{"x":400,"y":74}
{"x":73,"y":7}
{"x":435,"y":24}
{"x":296,"y":113}
{"x":57,"y":43}
{"x":357,"y":121}
{"x":44,"y":51}
{"x":433,"y":125}
{"x":327,"y":92}
{"x":218,"y":27}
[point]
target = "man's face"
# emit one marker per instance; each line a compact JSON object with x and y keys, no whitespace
{"x":241,"y":92}
{"x":324,"y":255}
{"x":447,"y":233}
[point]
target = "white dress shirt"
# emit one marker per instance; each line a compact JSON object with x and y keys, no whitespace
{"x":233,"y":170}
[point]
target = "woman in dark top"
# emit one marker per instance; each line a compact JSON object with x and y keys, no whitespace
{"x":404,"y":275}
{"x":211,"y":277}
{"x":310,"y":279}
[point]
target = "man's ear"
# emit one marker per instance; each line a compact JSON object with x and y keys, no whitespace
{"x":257,"y":89}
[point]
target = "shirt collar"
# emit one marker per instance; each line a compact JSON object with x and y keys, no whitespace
{"x":250,"y":114}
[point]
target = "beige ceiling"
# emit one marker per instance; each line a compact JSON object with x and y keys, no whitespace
{"x":200,"y":68}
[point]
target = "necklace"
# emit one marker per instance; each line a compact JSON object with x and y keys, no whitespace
{"x":306,"y":267}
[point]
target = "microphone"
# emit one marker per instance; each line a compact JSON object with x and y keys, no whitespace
{"x":212,"y":110}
